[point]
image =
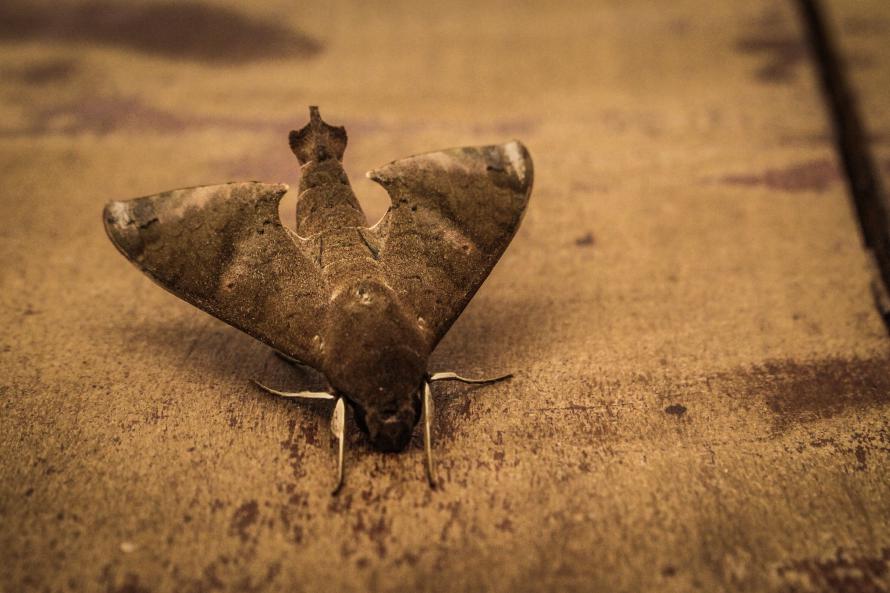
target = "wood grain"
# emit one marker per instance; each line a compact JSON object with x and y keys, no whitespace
{"x":700,"y":400}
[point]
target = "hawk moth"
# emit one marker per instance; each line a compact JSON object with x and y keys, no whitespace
{"x":365,"y":306}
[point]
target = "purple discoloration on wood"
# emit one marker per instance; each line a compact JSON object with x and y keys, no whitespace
{"x":42,"y":73}
{"x":585,"y":240}
{"x":843,"y":573}
{"x":796,"y":391}
{"x":244,"y":518}
{"x":816,"y":176}
{"x":675,"y":410}
{"x":782,"y":54}
{"x":193,"y":31}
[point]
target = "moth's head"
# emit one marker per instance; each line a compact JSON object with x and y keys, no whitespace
{"x":391,"y":425}
{"x":387,"y":398}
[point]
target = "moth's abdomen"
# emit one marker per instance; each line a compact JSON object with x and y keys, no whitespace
{"x":345,"y":256}
{"x":326,"y":201}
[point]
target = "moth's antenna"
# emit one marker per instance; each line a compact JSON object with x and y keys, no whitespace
{"x":427,"y":433}
{"x":449,"y":376}
{"x":338,"y":427}
{"x":295,"y":394}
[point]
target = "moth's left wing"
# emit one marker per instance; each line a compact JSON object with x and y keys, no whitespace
{"x":453,"y":213}
{"x":223,"y":249}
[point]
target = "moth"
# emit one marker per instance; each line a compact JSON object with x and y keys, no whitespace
{"x":364,"y":306}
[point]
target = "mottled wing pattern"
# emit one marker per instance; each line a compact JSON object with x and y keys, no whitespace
{"x":223,"y":249}
{"x":453,"y":213}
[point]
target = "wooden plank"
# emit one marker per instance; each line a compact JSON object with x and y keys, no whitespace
{"x":860,"y":29}
{"x":700,"y":401}
{"x":854,"y":58}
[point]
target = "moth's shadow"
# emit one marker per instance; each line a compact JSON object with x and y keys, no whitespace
{"x":201,"y":349}
{"x":495,"y":335}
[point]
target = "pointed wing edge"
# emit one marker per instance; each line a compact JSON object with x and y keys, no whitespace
{"x":519,"y":160}
{"x":112,"y":211}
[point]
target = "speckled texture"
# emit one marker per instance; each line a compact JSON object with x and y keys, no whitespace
{"x":700,"y":401}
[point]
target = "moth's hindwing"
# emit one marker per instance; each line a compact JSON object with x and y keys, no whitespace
{"x":453,"y":213}
{"x":223,"y":249}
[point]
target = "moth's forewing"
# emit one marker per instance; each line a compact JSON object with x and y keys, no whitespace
{"x":223,"y":249}
{"x":453,"y":213}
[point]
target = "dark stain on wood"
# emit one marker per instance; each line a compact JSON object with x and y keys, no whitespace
{"x":46,"y":72}
{"x":675,"y":410}
{"x":131,"y":584}
{"x":782,"y":54}
{"x":108,"y":114}
{"x":454,"y":412}
{"x":101,"y":115}
{"x":773,"y":37}
{"x":843,"y":573}
{"x":200,"y":32}
{"x":816,"y":176}
{"x":585,"y":240}
{"x":244,"y":518}
{"x":293,"y":450}
{"x":798,"y":392}
{"x":861,"y":458}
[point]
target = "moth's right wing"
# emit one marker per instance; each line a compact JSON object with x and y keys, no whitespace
{"x":453,"y":214}
{"x":223,"y":249}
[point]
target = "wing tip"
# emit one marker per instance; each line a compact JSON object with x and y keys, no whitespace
{"x":520,"y":161}
{"x":381,"y":175}
{"x":513,"y":154}
{"x":118,"y":220}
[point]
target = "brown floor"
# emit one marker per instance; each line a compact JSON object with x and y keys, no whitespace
{"x":702,"y":389}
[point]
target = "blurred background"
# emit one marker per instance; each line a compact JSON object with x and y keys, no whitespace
{"x":701,"y":387}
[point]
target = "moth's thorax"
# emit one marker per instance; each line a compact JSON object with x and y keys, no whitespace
{"x":375,"y":355}
{"x":326,"y":201}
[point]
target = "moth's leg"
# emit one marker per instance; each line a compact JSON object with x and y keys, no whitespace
{"x":290,"y":359}
{"x":428,"y":433}
{"x":338,"y":427}
{"x":296,"y":394}
{"x":449,"y":376}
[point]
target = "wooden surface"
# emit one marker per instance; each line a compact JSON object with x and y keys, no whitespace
{"x":862,"y":31}
{"x":701,"y":391}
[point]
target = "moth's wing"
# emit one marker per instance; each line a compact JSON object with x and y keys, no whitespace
{"x":453,"y":213}
{"x":223,"y":248}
